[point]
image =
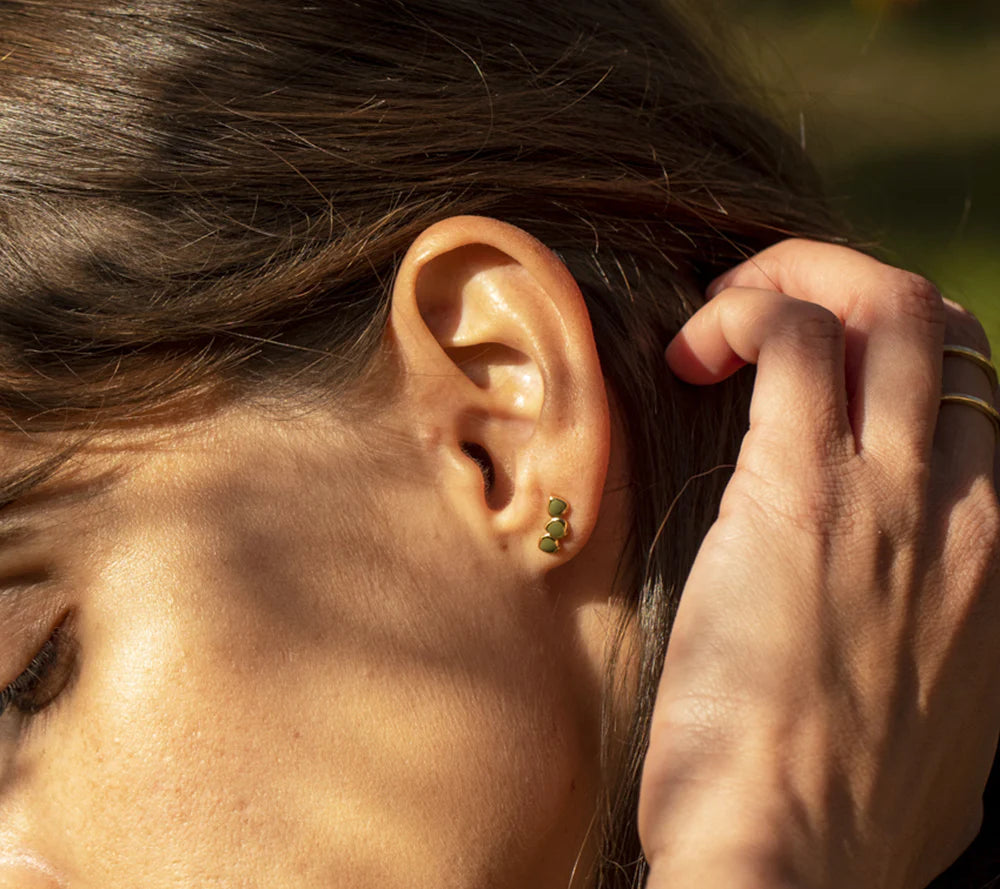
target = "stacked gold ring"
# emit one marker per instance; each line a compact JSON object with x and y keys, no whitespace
{"x":973,"y":401}
{"x":984,"y":407}
{"x":977,"y":358}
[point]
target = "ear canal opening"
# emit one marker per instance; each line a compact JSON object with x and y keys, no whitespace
{"x":481,"y":457}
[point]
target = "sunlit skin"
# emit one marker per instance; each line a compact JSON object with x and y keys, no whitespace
{"x":322,"y":647}
{"x":309,"y":651}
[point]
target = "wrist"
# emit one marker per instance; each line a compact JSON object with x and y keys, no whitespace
{"x":712,"y":860}
{"x":735,"y":835}
{"x":717,"y":874}
{"x":750,"y":815}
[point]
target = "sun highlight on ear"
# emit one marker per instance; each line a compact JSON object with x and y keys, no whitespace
{"x":501,"y":378}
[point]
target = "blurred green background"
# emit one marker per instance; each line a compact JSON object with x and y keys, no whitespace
{"x":898,"y":101}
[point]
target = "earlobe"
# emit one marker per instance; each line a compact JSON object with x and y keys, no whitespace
{"x":499,"y":365}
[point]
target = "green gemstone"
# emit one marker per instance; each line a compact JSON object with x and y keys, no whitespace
{"x":557,"y":528}
{"x":557,"y":506}
{"x":548,"y":545}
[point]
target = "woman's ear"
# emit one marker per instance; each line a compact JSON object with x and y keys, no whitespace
{"x":502,"y":385}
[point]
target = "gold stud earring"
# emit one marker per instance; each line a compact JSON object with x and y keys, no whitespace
{"x":556,"y":528}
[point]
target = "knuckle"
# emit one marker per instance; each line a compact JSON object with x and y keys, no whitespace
{"x":893,"y":508}
{"x":805,"y":499}
{"x":902,"y":473}
{"x":963,"y":328}
{"x":902,"y":498}
{"x":813,"y":324}
{"x":914,"y":296}
{"x":817,"y":508}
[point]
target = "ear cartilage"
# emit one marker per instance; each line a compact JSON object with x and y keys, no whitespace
{"x":557,"y":526}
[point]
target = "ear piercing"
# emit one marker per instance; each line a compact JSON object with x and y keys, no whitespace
{"x":556,"y":528}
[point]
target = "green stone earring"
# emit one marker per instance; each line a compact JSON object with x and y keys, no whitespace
{"x":556,"y":528}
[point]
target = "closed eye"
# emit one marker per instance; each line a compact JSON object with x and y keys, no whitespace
{"x":30,"y":692}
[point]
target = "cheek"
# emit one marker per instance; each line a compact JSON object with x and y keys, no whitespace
{"x":240,"y":730}
{"x":168,"y":763}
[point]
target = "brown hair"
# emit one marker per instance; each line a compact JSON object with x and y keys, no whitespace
{"x":208,"y":198}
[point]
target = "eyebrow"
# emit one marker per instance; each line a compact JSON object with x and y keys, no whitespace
{"x":12,"y":531}
{"x":35,"y":490}
{"x":19,"y":485}
{"x":13,"y":512}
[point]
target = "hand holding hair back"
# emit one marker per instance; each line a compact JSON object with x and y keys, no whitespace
{"x":829,"y":705}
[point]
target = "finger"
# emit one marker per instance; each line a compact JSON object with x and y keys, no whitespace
{"x":894,"y":325}
{"x":965,"y":439}
{"x":798,"y":348}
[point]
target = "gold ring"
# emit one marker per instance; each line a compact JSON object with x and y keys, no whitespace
{"x":977,"y":358}
{"x":984,"y":407}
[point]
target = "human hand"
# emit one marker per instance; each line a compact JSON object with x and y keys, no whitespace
{"x":829,"y":706}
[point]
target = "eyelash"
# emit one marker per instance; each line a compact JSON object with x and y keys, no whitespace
{"x":22,"y":693}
